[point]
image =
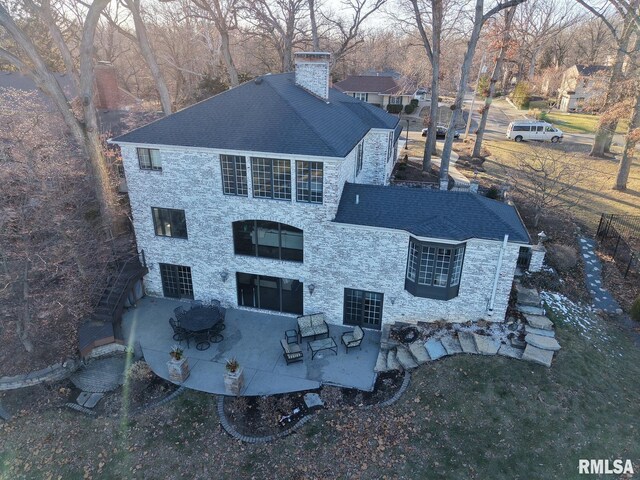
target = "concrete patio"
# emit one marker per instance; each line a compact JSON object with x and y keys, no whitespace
{"x":253,"y":338}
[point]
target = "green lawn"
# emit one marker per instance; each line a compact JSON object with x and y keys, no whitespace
{"x":578,"y":122}
{"x":469,"y":417}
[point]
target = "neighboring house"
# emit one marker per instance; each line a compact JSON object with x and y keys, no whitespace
{"x":379,"y":90}
{"x":581,"y":84}
{"x":275,"y":195}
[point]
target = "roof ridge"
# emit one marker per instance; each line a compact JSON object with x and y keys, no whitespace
{"x":301,"y":117}
{"x":485,"y":202}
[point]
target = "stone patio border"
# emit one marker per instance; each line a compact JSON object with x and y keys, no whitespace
{"x":52,"y":373}
{"x":396,"y":396}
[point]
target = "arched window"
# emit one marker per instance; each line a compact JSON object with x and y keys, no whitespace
{"x":261,"y":238}
{"x":434,"y":269}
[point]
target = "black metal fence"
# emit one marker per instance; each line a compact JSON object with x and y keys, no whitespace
{"x":619,"y":236}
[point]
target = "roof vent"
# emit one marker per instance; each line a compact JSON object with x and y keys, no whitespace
{"x":257,"y":80}
{"x":357,"y":199}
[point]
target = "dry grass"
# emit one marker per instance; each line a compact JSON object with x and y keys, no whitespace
{"x":597,"y":195}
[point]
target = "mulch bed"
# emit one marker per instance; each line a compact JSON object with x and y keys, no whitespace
{"x":411,"y":171}
{"x":270,"y":415}
{"x":137,"y":393}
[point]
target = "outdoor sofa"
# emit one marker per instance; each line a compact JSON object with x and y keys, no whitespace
{"x":312,"y":326}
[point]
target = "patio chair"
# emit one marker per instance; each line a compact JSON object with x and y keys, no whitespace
{"x":214,"y":334}
{"x":214,"y":304}
{"x":353,"y":339}
{"x":292,"y":351}
{"x":179,"y":312}
{"x":202,"y":340}
{"x":197,"y":303}
{"x":179,"y":333}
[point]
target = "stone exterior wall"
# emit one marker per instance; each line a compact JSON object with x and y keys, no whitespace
{"x":336,"y":256}
{"x":537,"y":258}
{"x":378,"y":163}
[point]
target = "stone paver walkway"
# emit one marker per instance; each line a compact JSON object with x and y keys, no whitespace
{"x":102,"y":375}
{"x":602,"y":299}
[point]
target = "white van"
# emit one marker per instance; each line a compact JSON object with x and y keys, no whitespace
{"x":533,"y":130}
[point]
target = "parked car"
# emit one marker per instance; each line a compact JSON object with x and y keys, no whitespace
{"x":533,"y":130}
{"x":441,"y":132}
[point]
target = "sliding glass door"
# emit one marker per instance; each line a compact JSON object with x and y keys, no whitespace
{"x":269,"y":293}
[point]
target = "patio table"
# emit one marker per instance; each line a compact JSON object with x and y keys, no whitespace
{"x":323,"y":344}
{"x":199,"y":319}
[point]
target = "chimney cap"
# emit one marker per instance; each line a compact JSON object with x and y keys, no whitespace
{"x":312,"y":56}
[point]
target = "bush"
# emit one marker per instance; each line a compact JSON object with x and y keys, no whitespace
{"x":493,"y":192}
{"x":393,"y":108}
{"x":635,"y":310}
{"x":521,"y":95}
{"x":562,"y":257}
{"x":409,"y":108}
{"x":415,"y":102}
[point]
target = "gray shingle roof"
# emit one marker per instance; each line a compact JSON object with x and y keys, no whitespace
{"x":373,"y":84}
{"x":587,"y":70}
{"x":271,"y":115}
{"x":430,"y":213}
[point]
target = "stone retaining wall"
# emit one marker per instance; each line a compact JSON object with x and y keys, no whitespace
{"x":52,"y":373}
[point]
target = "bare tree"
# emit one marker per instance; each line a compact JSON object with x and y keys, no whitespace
{"x":223,"y":13}
{"x":28,"y":60}
{"x":479,"y":19}
{"x":495,"y":76}
{"x":281,"y":22}
{"x":315,"y":37}
{"x":547,"y":179}
{"x":621,"y":33}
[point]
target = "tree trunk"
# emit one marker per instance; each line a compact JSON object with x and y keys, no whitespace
{"x":149,"y":56}
{"x":228,"y":59}
{"x":462,"y":88}
{"x":315,"y":40}
{"x":23,"y":324}
{"x":495,"y":76}
{"x":624,"y":167}
{"x":436,"y":28}
{"x":607,"y":127}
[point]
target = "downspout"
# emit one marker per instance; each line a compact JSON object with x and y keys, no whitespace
{"x":497,"y":276}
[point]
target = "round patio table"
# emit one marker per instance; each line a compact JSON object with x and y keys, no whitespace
{"x":200,"y":319}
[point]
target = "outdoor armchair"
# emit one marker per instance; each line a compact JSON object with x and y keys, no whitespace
{"x":352,"y":339}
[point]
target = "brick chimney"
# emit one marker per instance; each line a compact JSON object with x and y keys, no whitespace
{"x":107,"y":92}
{"x":313,"y":72}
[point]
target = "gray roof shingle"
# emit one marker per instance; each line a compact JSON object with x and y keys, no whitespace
{"x":430,"y":213}
{"x":271,"y":115}
{"x":374,"y":84}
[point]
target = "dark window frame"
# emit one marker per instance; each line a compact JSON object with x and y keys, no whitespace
{"x":239,"y":184}
{"x":168,"y":216}
{"x":428,"y":263}
{"x":306,"y":169}
{"x":177,"y":280}
{"x":150,"y":166}
{"x":359,"y":307}
{"x":291,"y":254}
{"x":258,"y":172}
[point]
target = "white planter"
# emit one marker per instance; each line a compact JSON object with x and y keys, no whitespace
{"x":233,"y":382}
{"x":178,"y":370}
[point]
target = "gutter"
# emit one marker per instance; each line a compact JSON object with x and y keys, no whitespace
{"x":497,"y":275}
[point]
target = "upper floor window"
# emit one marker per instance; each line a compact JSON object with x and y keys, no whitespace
{"x":309,"y":182}
{"x":234,"y":175}
{"x":361,"y":96}
{"x":395,"y":100}
{"x":149,"y":159}
{"x":268,"y":239}
{"x":433,"y":270}
{"x":271,"y":178}
{"x":359,"y":158}
{"x":169,"y":222}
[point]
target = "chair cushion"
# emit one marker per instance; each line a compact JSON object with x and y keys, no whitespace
{"x":348,"y":337}
{"x":358,"y":334}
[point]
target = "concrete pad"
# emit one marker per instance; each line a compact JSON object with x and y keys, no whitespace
{"x":381,"y":362}
{"x":435,"y":349}
{"x":419,"y":352}
{"x":537,"y":355}
{"x":539,"y":321}
{"x":545,"y":343}
{"x":527,"y":296}
{"x":509,"y":351}
{"x":539,"y":331}
{"x":486,"y":345}
{"x":531,"y":310}
{"x":405,"y":358}
{"x":451,"y":345}
{"x":392,"y":361}
{"x":467,"y":343}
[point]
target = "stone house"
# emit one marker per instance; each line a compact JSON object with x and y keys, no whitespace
{"x":275,"y":196}
{"x":581,"y":84}
{"x":379,"y":90}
